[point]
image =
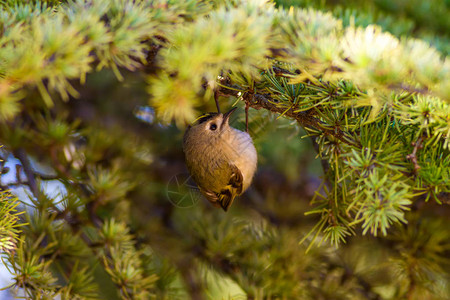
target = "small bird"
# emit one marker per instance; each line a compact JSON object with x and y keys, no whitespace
{"x":221,"y":159}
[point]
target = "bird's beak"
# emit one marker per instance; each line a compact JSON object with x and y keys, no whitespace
{"x":227,"y":115}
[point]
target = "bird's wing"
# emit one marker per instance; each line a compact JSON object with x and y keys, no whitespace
{"x":226,"y":196}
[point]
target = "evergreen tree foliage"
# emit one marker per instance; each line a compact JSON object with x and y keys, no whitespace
{"x":8,"y":222}
{"x":95,"y":96}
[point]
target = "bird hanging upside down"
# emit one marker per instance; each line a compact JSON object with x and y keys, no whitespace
{"x":221,"y":159}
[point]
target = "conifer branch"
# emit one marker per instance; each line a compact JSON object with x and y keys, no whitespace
{"x":306,"y":119}
{"x":26,"y":165}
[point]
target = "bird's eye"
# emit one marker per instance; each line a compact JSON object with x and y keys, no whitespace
{"x":213,"y":127}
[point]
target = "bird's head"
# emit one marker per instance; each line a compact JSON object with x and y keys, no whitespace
{"x":210,"y":125}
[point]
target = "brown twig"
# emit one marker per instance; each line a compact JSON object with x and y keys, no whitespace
{"x":247,"y":105}
{"x":280,"y":72}
{"x":26,"y":165}
{"x":216,"y":99}
{"x":248,"y":97}
{"x":413,"y":156}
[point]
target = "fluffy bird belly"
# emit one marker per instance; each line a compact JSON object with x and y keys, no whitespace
{"x":242,"y":153}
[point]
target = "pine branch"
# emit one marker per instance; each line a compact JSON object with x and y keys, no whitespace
{"x":306,"y":119}
{"x":23,"y":158}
